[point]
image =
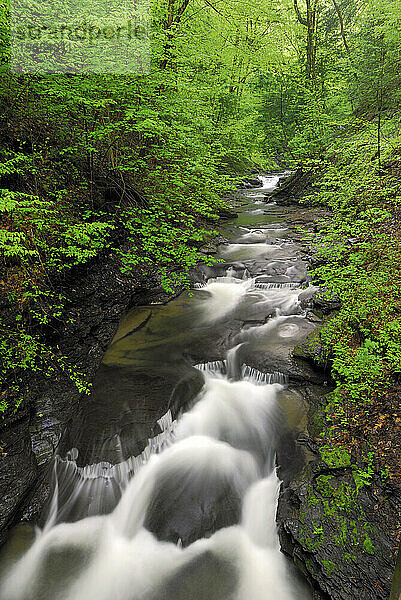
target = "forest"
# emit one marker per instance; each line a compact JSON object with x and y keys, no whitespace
{"x":140,"y":167}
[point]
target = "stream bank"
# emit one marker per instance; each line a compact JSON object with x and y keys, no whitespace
{"x":28,"y":439}
{"x":339,"y":516}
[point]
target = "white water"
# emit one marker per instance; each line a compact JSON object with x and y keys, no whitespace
{"x":229,"y":294}
{"x":252,"y":237}
{"x":269,"y":182}
{"x":223,"y":440}
{"x":215,"y":458}
{"x":248,"y":251}
{"x":225,"y":294}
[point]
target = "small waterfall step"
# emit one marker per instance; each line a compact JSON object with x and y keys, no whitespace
{"x":248,"y":373}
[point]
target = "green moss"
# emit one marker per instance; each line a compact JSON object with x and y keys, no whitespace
{"x":368,"y":546}
{"x":339,"y":500}
{"x":367,"y":542}
{"x":329,"y":566}
{"x":347,"y":556}
{"x":312,"y":349}
{"x":310,"y":543}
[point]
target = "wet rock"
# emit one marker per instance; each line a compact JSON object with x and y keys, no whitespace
{"x":274,"y":361}
{"x":339,"y":539}
{"x":250,"y":182}
{"x":188,"y":510}
{"x":312,"y":351}
{"x":284,"y":176}
{"x":315,"y":316}
{"x":117,"y":430}
{"x":18,"y":470}
{"x":307,"y":296}
{"x":272,"y":350}
{"x":325,"y":301}
{"x":294,"y":188}
{"x":227,"y":213}
{"x":195,"y":580}
{"x":396,"y":587}
{"x":338,"y":531}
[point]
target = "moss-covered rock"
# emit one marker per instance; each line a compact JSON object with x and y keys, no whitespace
{"x":337,"y":535}
{"x":336,"y":517}
{"x":313,"y":351}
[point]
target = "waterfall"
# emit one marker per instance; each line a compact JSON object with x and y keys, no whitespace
{"x":222,"y":445}
{"x":192,"y":515}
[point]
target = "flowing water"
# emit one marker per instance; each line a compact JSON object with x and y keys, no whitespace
{"x":166,"y":486}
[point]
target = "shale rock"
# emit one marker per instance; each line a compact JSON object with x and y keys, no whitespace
{"x":294,"y":188}
{"x":339,"y":539}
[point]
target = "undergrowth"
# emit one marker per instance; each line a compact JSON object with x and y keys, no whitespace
{"x":358,"y":261}
{"x":53,"y":220}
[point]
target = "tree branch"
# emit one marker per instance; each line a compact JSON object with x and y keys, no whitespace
{"x":301,"y":19}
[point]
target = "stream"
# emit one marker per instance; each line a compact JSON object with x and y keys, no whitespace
{"x":166,"y":483}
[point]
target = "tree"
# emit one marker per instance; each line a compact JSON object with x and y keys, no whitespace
{"x":310,"y":21}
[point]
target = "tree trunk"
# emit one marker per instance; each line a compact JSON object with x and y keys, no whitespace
{"x":310,"y":22}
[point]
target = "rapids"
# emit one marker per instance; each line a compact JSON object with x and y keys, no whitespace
{"x":191,"y":514}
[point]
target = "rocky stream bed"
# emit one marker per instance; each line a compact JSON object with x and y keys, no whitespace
{"x":253,"y":316}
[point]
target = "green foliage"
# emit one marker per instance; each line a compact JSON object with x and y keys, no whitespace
{"x":358,"y":254}
{"x":22,"y":351}
{"x":336,"y":457}
{"x":47,"y":233}
{"x":158,"y":237}
{"x":130,"y":165}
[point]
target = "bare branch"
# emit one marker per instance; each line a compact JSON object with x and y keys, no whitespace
{"x":301,"y":19}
